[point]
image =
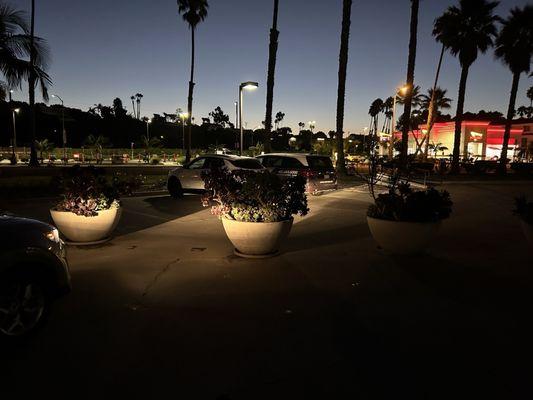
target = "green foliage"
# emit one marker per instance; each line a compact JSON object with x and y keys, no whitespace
{"x":87,"y":190}
{"x":251,"y":196}
{"x":404,"y":204}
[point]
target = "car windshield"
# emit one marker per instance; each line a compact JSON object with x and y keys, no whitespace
{"x":319,"y":162}
{"x":246,"y":163}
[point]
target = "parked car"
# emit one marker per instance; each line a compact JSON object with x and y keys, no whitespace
{"x":318,"y":170}
{"x":33,"y":273}
{"x":188,"y":178}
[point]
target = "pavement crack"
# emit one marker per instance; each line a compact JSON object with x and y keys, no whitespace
{"x":154,"y":281}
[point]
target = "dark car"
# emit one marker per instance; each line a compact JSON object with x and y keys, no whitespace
{"x":318,"y":170}
{"x":33,"y":273}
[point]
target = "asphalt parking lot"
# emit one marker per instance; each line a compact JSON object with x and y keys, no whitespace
{"x":166,"y":309}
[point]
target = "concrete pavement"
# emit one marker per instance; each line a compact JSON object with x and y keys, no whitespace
{"x":167,"y":309}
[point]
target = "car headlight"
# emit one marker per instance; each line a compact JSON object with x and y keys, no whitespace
{"x":52,"y":235}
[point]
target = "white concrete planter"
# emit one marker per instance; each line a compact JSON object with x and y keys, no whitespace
{"x":256,"y":239}
{"x":77,"y":228}
{"x":528,"y":231}
{"x":403,"y":237}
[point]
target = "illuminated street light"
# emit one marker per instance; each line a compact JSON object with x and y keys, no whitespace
{"x":399,"y":90}
{"x":183,"y":116}
{"x":148,"y":122}
{"x":248,"y":86}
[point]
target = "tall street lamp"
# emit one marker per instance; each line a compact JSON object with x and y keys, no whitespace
{"x":247,"y":86}
{"x":148,"y":122}
{"x":183,"y":116}
{"x":14,"y":156}
{"x":56,"y":96}
{"x":399,"y":90}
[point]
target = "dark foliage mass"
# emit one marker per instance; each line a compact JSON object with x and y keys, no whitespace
{"x":87,"y":190}
{"x":254,"y":196}
{"x":402,"y":203}
{"x":524,"y":209}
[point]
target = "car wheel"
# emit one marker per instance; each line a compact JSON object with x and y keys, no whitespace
{"x":174,"y":188}
{"x":24,"y":305}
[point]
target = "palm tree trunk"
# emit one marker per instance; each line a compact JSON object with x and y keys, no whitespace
{"x":133,"y":106}
{"x":459,"y":119}
{"x":272,"y":58}
{"x":34,"y":162}
{"x":341,"y":91}
{"x":432,"y":111}
{"x":189,"y":103}
{"x":410,"y":81}
{"x":509,"y":122}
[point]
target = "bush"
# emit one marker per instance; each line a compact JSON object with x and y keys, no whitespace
{"x":250,"y":196}
{"x":404,"y":204}
{"x":87,"y":190}
{"x":524,"y":209}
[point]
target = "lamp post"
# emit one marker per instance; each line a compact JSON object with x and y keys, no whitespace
{"x":148,"y":122}
{"x":183,"y":117}
{"x":10,"y":94}
{"x":63,"y":126}
{"x":247,"y":86}
{"x":403,"y":90}
{"x":14,"y":156}
{"x":236,"y":114}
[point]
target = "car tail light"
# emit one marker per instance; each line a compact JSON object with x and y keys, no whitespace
{"x":307,"y":173}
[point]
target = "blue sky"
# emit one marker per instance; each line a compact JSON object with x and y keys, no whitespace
{"x":105,"y":49}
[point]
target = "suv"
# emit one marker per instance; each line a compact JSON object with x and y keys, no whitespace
{"x":318,"y":170}
{"x":33,"y":273}
{"x":189,"y":177}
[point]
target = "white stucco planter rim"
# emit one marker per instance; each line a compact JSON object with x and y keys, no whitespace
{"x":403,"y":238}
{"x":81,"y":229}
{"x":257,"y":239}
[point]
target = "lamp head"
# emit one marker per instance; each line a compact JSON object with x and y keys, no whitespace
{"x":249,"y":85}
{"x":17,"y":110}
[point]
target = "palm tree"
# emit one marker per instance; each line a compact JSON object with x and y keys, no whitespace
{"x":193,"y":12}
{"x":279,"y":117}
{"x":466,"y":30}
{"x":410,"y":80}
{"x":341,"y":90}
{"x":522,"y":111}
{"x":132,"y":98}
{"x":387,"y":111}
{"x":43,"y":146}
{"x":416,"y":97}
{"x":18,"y":44}
{"x":530,"y":96}
{"x":514,"y":46}
{"x":433,"y":102}
{"x":272,"y":57}
{"x":138,"y":98}
{"x":301,"y":125}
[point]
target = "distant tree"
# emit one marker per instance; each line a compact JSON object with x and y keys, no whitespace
{"x":118,"y":109}
{"x":332,"y":134}
{"x":530,"y":96}
{"x":522,"y":111}
{"x":138,"y":98}
{"x":132,"y":98}
{"x":514,"y":46}
{"x":193,"y":12}
{"x":219,"y":118}
{"x":279,"y":117}
{"x":301,"y":125}
{"x":341,"y":85}
{"x":43,"y":146}
{"x":466,"y":30}
{"x":433,"y":102}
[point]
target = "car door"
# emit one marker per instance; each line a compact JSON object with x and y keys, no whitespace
{"x":191,"y":174}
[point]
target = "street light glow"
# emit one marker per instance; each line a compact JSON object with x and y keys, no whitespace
{"x":249,"y":85}
{"x":17,"y":110}
{"x":184,"y":115}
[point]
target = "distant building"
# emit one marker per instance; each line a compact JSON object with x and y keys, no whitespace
{"x":480,"y":140}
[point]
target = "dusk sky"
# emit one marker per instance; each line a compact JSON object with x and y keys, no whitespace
{"x":104,"y":49}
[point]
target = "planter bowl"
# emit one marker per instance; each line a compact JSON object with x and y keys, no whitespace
{"x":81,"y":229}
{"x":403,"y":238}
{"x":256,"y":238}
{"x":528,"y":231}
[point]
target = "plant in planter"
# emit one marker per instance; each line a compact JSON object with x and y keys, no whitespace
{"x":524,"y":210}
{"x":256,"y":208}
{"x":403,"y":220}
{"x":89,"y":208}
